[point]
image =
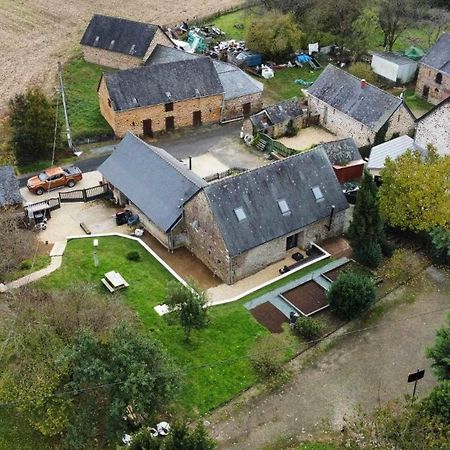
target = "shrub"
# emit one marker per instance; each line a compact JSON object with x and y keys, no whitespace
{"x":290,"y":129}
{"x":440,"y":244}
{"x":26,"y":264}
{"x":351,"y":294}
{"x":440,"y":352}
{"x":266,"y":357}
{"x":134,"y":256}
{"x":369,"y":254}
{"x":363,"y":71}
{"x":438,"y":402}
{"x":308,"y":328}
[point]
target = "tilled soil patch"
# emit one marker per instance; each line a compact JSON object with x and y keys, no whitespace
{"x":269,"y":316}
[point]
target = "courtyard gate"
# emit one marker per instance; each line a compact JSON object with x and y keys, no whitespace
{"x":85,"y":195}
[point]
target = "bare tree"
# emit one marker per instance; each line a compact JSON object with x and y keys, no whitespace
{"x":436,"y":20}
{"x":16,"y":242}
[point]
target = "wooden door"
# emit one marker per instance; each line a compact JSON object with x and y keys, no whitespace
{"x":147,"y":127}
{"x":246,"y":109}
{"x":291,"y":241}
{"x":170,"y":123}
{"x":197,"y":118}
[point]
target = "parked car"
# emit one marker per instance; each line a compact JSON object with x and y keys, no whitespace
{"x":53,"y":178}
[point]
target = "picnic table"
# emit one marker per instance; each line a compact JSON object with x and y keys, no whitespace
{"x":114,"y":281}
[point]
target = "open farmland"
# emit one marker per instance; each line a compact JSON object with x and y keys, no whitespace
{"x":36,"y":34}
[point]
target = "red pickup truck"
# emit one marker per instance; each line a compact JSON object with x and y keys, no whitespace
{"x":53,"y":178}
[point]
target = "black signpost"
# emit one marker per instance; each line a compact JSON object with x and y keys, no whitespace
{"x":414,"y":377}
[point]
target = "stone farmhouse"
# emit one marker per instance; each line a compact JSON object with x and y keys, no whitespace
{"x":434,"y":128}
{"x":161,"y":97}
{"x":350,"y":107}
{"x":121,"y":43}
{"x":273,"y":120}
{"x":174,"y":90}
{"x":154,"y":185}
{"x":237,"y":225}
{"x":433,"y":80}
{"x":10,"y":197}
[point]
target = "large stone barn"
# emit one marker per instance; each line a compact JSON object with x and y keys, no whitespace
{"x":239,"y":225}
{"x":161,"y":97}
{"x":350,"y":107}
{"x":121,"y":43}
{"x":433,"y":80}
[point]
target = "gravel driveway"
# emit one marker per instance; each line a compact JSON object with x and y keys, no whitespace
{"x":360,"y":369}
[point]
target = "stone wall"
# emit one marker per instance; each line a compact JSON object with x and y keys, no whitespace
{"x":401,"y":122}
{"x":160,"y":38}
{"x":132,"y":120}
{"x":111,"y":59}
{"x":233,"y":108}
{"x":340,"y":124}
{"x":437,"y":92}
{"x":205,"y":238}
{"x":435,"y":129}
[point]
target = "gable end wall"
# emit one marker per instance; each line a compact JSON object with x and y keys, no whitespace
{"x":435,"y":129}
{"x":437,"y":92}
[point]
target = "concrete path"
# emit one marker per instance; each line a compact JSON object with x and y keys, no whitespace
{"x":364,"y":369}
{"x":56,"y":255}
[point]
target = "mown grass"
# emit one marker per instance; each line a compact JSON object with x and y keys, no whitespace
{"x":81,"y":81}
{"x":416,"y":104}
{"x":215,"y":362}
{"x":39,"y":263}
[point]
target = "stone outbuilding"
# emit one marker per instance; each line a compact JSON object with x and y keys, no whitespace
{"x":434,"y":128}
{"x":121,"y":43}
{"x":274,"y":119}
{"x":394,"y":67}
{"x":433,"y":80}
{"x":350,"y":107}
{"x":242,"y":93}
{"x":154,"y":185}
{"x":239,"y":225}
{"x":161,"y":97}
{"x":344,"y":156}
{"x":10,"y":197}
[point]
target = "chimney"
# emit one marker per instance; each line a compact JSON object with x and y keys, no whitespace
{"x":363,"y":83}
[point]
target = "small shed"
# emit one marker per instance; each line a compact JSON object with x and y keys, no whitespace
{"x":394,"y":67}
{"x":274,"y":119}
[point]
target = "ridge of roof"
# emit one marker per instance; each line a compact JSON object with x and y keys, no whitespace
{"x":434,"y":108}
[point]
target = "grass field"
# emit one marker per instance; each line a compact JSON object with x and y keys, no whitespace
{"x":40,"y":262}
{"x":215,"y":363}
{"x":81,"y":81}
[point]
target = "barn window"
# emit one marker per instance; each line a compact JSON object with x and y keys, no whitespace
{"x":111,"y":45}
{"x":438,"y":78}
{"x":97,"y":38}
{"x":168,"y":107}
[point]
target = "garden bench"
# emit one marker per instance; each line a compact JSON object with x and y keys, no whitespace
{"x":110,"y":288}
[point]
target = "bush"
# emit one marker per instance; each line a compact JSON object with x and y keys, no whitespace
{"x":440,"y":352}
{"x":351,"y":294}
{"x":363,"y":71}
{"x":369,"y":254}
{"x":266,"y":357}
{"x":134,"y":256}
{"x":438,"y":402}
{"x":308,"y":328}
{"x":26,"y":264}
{"x":291,"y":131}
{"x":440,"y":245}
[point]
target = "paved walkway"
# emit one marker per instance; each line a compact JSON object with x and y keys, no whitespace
{"x":364,"y":369}
{"x":56,"y":255}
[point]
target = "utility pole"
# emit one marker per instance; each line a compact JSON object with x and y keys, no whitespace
{"x":66,"y":116}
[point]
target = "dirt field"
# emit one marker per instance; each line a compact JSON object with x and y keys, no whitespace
{"x":36,"y":34}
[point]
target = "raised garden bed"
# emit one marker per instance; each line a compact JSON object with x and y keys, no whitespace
{"x":308,"y":298}
{"x":269,"y":316}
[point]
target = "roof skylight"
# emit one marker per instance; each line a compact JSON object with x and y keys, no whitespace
{"x":317,"y":193}
{"x":240,"y":214}
{"x":284,"y":207}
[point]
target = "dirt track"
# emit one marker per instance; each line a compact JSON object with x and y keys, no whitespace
{"x":35,"y":34}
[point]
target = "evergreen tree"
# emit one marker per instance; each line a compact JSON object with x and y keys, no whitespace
{"x":32,"y":120}
{"x":366,"y":229}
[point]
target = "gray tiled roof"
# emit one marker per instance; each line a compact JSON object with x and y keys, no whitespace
{"x":162,"y":83}
{"x":395,"y":58}
{"x":368,"y":105}
{"x":279,"y":113}
{"x":438,"y":56}
{"x":392,"y":149}
{"x":341,"y":152}
{"x":9,"y":187}
{"x":125,"y":34}
{"x":157,"y":183}
{"x":258,"y":191}
{"x":236,"y":83}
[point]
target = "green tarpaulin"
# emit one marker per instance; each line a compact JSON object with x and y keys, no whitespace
{"x":414,"y":53}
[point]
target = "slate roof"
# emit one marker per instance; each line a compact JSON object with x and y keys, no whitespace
{"x":438,"y":57}
{"x":279,"y":113}
{"x":132,"y":38}
{"x":368,"y":105}
{"x":157,"y":183}
{"x":9,"y":187}
{"x":393,"y":149}
{"x":162,"y":83}
{"x":258,"y":191}
{"x":395,"y":58}
{"x":236,"y":83}
{"x":341,"y":152}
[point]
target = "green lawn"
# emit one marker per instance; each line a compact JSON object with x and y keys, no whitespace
{"x":215,"y":363}
{"x":416,"y":104}
{"x":40,"y":262}
{"x":81,"y":81}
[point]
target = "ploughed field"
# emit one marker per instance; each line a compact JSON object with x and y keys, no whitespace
{"x":36,"y":34}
